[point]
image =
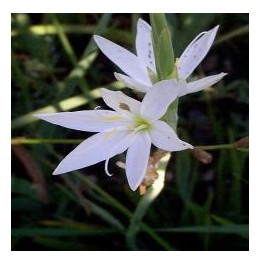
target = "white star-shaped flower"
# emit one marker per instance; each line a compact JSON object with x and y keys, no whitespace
{"x":141,"y":69}
{"x":132,"y":126}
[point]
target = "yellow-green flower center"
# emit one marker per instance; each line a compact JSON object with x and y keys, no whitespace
{"x":140,"y":123}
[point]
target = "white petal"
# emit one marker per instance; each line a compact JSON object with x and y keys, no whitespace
{"x":144,"y":46}
{"x":119,"y":148}
{"x":131,"y":83}
{"x":128,"y":62}
{"x":90,"y":120}
{"x":120,"y":102}
{"x":137,"y":159}
{"x":195,"y":52}
{"x":159,"y":97}
{"x":201,"y":84}
{"x":164,"y":137}
{"x":91,"y":151}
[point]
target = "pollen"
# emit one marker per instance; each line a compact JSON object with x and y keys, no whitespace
{"x":140,"y":123}
{"x":109,"y":134}
{"x":176,"y":67}
{"x":112,"y":118}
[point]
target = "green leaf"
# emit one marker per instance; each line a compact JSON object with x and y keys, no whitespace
{"x":183,"y":172}
{"x":241,"y":230}
{"x":106,"y":216}
{"x":58,"y":244}
{"x":57,"y":232}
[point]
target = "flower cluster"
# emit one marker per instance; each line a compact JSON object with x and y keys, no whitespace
{"x":133,"y":125}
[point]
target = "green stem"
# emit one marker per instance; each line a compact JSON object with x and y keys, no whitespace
{"x":235,"y":33}
{"x":223,"y":146}
{"x":145,"y":202}
{"x":17,"y":141}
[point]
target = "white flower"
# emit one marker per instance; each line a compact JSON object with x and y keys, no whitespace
{"x":141,"y":68}
{"x":133,"y":125}
{"x":135,"y":66}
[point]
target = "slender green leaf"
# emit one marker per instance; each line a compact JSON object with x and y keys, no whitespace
{"x":241,"y":230}
{"x":57,"y":232}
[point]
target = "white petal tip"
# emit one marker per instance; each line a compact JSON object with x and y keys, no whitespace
{"x":221,"y":75}
{"x":99,"y":40}
{"x":117,"y":76}
{"x":96,"y":38}
{"x":141,"y":21}
{"x":215,"y":29}
{"x":39,"y":115}
{"x":104,"y":92}
{"x":134,"y":187}
{"x":186,"y":145}
{"x":43,"y":116}
{"x":59,"y":170}
{"x":56,"y":172}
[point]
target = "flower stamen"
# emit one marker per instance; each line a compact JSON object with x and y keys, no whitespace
{"x":112,"y":118}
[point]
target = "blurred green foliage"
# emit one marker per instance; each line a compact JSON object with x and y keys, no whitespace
{"x":57,"y":67}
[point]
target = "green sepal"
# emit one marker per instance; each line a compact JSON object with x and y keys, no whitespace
{"x":171,"y":116}
{"x":165,"y":55}
{"x":158,"y":22}
{"x":162,"y":45}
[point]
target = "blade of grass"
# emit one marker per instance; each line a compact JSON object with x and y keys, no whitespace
{"x":22,"y":82}
{"x":89,"y":55}
{"x":111,"y":33}
{"x":183,"y":172}
{"x":114,"y":202}
{"x":235,"y":33}
{"x":90,"y":206}
{"x":237,"y":164}
{"x":58,"y":232}
{"x":241,"y":230}
{"x":220,"y":169}
{"x":64,"y":40}
{"x":69,"y":51}
{"x":124,"y":210}
{"x":61,"y":245}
